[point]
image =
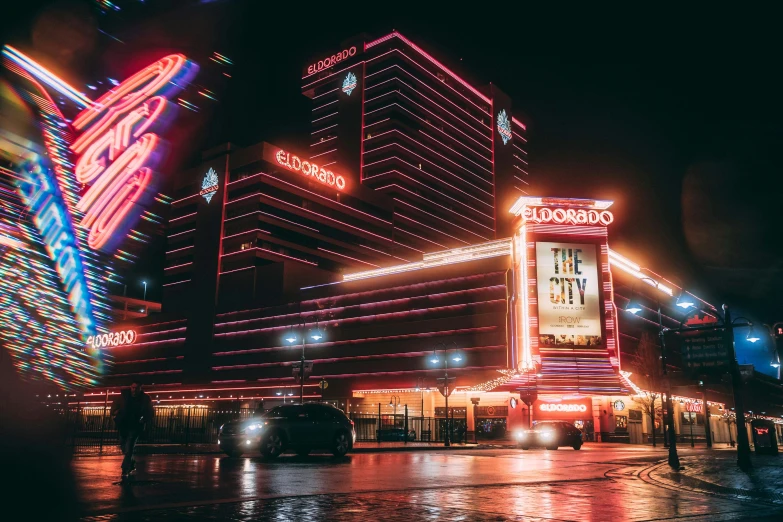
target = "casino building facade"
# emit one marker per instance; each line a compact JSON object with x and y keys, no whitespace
{"x":403,"y":235}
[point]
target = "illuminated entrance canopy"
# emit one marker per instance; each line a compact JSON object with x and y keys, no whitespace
{"x":295,"y":164}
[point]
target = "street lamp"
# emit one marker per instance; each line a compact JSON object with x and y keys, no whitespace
{"x":394,"y":401}
{"x":684,"y":301}
{"x":674,"y":459}
{"x":456,"y":357}
{"x":291,"y":338}
{"x":145,"y":289}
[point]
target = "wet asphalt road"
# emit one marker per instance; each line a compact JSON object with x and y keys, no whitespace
{"x":597,"y":483}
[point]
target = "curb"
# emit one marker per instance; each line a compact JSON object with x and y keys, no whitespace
{"x":184,"y":450}
{"x":652,"y":475}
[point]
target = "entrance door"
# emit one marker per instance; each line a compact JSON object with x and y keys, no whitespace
{"x":635,"y":432}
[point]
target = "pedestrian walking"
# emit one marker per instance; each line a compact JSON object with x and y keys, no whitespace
{"x":132,"y":412}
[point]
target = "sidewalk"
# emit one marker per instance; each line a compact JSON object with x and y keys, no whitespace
{"x":719,"y":474}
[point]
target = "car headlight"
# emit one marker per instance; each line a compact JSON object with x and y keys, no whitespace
{"x":520,"y":435}
{"x":546,"y":434}
{"x":254,"y":427}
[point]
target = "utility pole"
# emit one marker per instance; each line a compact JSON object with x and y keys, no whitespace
{"x":743,"y":444}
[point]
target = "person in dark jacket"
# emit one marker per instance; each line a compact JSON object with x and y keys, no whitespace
{"x":132,"y":411}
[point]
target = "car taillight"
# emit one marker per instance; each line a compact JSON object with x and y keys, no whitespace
{"x":352,"y":424}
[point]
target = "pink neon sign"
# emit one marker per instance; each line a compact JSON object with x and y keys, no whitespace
{"x":567,"y":215}
{"x":296,"y":164}
{"x":117,"y":148}
{"x":331,"y":60}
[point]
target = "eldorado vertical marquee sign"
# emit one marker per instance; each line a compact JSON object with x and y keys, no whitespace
{"x":563,"y":321}
{"x":82,"y":197}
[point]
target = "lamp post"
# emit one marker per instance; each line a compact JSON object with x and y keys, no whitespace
{"x":776,"y":335}
{"x":743,"y":444}
{"x":145,"y":289}
{"x":674,"y":459}
{"x":456,"y":357}
{"x":291,"y":338}
{"x":394,"y":401}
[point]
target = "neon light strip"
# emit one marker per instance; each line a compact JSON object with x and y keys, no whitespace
{"x":300,"y":209}
{"x":237,"y":270}
{"x":184,"y":199}
{"x":178,"y":249}
{"x":435,"y":62}
{"x":633,"y":269}
{"x":434,"y":164}
{"x":451,"y":223}
{"x":426,"y":122}
{"x":408,"y":218}
{"x":433,"y":138}
{"x":183,"y":217}
{"x":323,"y":140}
{"x":38,"y":71}
{"x":400,"y":229}
{"x":322,"y":153}
{"x":180,"y":233}
{"x":514,"y":120}
{"x":467,"y":124}
{"x":331,"y":201}
{"x":427,"y":187}
{"x":178,"y":266}
{"x":431,"y":202}
{"x":323,"y":129}
{"x":246,"y":232}
{"x":423,"y":288}
{"x":270,"y":252}
{"x":481,"y":131}
{"x":348,"y":257}
{"x":458,"y":255}
{"x":523,"y":202}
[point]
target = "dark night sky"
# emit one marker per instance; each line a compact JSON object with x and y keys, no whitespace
{"x":674,"y":115}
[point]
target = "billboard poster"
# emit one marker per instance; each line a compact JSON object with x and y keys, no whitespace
{"x":568,"y":298}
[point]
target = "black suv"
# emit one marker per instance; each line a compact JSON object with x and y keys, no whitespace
{"x":301,"y":428}
{"x":551,"y":435}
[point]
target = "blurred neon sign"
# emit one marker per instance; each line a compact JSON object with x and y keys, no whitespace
{"x":42,"y":195}
{"x":117,"y":148}
{"x":320,"y":174}
{"x":571,"y":216}
{"x":112,"y":339}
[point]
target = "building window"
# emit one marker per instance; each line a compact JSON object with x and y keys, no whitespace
{"x":246,"y":246}
{"x":621,"y":422}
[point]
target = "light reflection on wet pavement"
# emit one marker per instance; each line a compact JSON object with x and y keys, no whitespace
{"x":503,"y":484}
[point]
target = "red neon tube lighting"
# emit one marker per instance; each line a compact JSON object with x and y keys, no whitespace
{"x":418,"y":49}
{"x":462,"y":121}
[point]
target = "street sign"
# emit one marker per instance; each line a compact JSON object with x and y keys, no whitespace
{"x":442,"y":390}
{"x":442,"y":385}
{"x":297,"y":370}
{"x":704,"y":350}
